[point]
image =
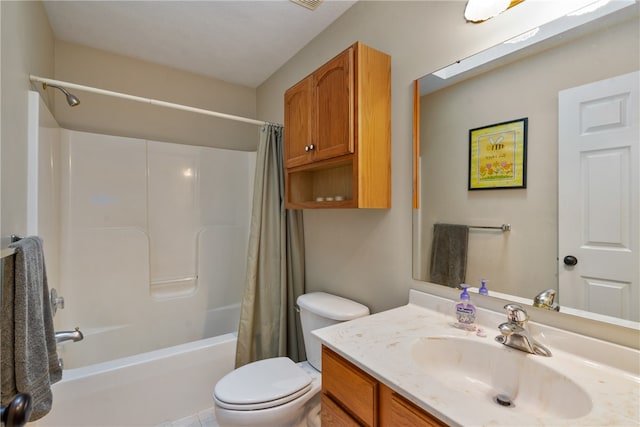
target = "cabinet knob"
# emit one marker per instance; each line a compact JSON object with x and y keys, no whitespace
{"x":306,"y":148}
{"x":312,"y":147}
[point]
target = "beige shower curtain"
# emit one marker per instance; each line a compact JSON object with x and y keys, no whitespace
{"x":269,"y":324}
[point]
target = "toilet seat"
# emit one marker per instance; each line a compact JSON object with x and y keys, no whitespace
{"x":263,"y":384}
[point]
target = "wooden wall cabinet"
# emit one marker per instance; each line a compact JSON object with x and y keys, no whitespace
{"x":337,"y":133}
{"x":351,"y":397}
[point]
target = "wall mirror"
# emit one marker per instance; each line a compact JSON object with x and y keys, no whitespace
{"x":532,"y":77}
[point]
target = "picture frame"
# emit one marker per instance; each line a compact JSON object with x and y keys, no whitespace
{"x":498,"y":155}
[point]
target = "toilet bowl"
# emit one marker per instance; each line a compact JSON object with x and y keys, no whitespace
{"x":277,"y":391}
{"x":268,"y":393}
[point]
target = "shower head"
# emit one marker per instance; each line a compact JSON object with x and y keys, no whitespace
{"x":72,"y":100}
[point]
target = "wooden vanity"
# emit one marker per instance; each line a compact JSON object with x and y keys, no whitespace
{"x":351,"y":397}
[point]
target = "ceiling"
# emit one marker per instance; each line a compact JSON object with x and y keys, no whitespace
{"x":240,"y":41}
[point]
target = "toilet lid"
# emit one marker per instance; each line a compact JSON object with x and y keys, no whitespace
{"x":262,"y":384}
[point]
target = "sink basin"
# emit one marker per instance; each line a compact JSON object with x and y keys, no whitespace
{"x":502,"y":377}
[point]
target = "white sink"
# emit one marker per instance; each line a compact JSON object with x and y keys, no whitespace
{"x":501,"y":377}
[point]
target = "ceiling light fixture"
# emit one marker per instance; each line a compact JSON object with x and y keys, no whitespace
{"x":481,"y":10}
{"x":309,"y":4}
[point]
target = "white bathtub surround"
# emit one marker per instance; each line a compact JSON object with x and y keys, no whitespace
{"x":138,"y":229}
{"x":146,"y":241}
{"x":162,"y":386}
{"x":382,"y":345}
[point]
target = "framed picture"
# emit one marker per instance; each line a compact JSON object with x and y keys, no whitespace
{"x":498,"y":156}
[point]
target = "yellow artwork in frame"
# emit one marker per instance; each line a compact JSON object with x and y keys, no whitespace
{"x":498,"y":156}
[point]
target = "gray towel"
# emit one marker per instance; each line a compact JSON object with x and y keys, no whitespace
{"x":449,"y":254}
{"x":29,"y":357}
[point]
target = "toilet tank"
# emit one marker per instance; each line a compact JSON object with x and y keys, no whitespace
{"x":319,"y":309}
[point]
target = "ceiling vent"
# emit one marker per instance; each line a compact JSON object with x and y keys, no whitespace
{"x":309,"y":4}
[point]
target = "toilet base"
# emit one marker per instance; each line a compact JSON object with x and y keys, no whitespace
{"x":313,"y":417}
{"x":306,"y":415}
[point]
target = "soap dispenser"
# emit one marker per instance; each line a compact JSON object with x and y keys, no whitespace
{"x":483,"y":287}
{"x":465,"y":311}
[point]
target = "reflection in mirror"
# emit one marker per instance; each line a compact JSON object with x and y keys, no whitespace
{"x":480,"y":10}
{"x":534,"y":83}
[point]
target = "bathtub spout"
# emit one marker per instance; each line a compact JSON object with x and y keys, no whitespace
{"x":74,"y":336}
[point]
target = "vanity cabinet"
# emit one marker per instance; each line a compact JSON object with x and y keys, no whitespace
{"x":337,"y":133}
{"x":351,"y":397}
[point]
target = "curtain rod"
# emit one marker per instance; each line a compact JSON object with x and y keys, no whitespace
{"x":151,"y":101}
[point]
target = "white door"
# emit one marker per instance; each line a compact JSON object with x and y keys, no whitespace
{"x":599,"y":193}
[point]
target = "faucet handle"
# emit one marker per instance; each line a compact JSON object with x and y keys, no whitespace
{"x":57,"y":302}
{"x":516,"y":313}
{"x":545,"y":300}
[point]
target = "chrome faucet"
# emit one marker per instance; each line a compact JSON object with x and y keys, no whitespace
{"x":545,"y":300}
{"x":74,"y":336}
{"x":514,"y":333}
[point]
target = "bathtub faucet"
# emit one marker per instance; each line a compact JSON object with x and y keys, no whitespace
{"x":74,"y":336}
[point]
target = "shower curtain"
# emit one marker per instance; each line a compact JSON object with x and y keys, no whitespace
{"x":269,"y":324}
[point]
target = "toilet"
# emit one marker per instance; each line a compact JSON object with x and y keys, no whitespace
{"x":277,"y":391}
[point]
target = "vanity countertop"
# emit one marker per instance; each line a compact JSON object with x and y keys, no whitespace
{"x":381,"y":345}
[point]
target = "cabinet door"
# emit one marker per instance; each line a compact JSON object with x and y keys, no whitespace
{"x":396,"y":411}
{"x":298,"y":129}
{"x":333,"y":415}
{"x":355,"y":390}
{"x":333,"y":97}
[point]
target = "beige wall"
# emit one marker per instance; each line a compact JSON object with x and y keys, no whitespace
{"x":112,"y":116}
{"x":366,"y":255}
{"x":27,"y":47}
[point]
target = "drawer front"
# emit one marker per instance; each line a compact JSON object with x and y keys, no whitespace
{"x":352,"y":388}
{"x":334,"y":416}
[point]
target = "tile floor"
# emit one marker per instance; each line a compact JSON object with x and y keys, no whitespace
{"x":204,"y":418}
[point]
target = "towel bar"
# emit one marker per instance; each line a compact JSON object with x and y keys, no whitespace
{"x":503,"y":227}
{"x":5,"y":252}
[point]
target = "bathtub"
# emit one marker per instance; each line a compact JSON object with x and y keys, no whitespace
{"x":158,"y":330}
{"x":142,"y":390}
